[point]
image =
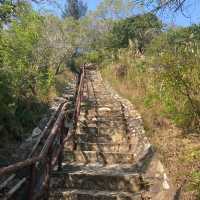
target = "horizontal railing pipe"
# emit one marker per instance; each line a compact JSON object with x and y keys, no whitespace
{"x":19,"y":165}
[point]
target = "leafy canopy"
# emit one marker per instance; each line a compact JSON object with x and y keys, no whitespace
{"x":140,"y":29}
{"x":118,"y":9}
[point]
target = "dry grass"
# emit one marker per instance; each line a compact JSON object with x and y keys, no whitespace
{"x":179,"y":152}
{"x":61,"y":81}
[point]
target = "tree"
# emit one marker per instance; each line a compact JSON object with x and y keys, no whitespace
{"x":75,"y":9}
{"x":59,"y":42}
{"x":175,"y":39}
{"x":109,"y":9}
{"x":140,"y":29}
{"x":23,"y":84}
{"x":157,"y":5}
{"x":6,"y":9}
{"x":10,"y":9}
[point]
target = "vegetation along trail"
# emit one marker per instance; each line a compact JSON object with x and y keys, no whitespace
{"x":100,"y":99}
{"x":112,"y":159}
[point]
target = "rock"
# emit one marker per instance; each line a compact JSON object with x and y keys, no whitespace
{"x":57,"y":98}
{"x":29,"y":139}
{"x":104,"y":109}
{"x":166,"y":185}
{"x":92,"y":125}
{"x":36,"y":132}
{"x":54,"y":107}
{"x":165,"y":182}
{"x":160,"y":167}
{"x":94,"y":119}
{"x":68,"y":124}
{"x":43,"y":122}
{"x":68,"y":96}
{"x":82,"y":118}
{"x":147,"y":147}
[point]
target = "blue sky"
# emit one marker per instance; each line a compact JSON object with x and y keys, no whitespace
{"x":92,"y":3}
{"x":190,"y":15}
{"x":191,"y":12}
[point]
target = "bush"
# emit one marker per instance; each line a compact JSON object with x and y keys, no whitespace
{"x":168,"y":74}
{"x":140,"y":29}
{"x":178,"y":76}
{"x":24,"y":86}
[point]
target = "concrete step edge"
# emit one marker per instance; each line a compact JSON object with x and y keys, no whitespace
{"x":95,"y":192}
{"x":97,"y":152}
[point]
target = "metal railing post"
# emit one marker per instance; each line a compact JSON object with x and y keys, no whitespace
{"x":47,"y":176}
{"x":32,"y":181}
{"x":61,"y":143}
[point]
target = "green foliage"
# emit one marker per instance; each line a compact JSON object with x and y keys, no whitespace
{"x":168,"y":75}
{"x":23,"y":84}
{"x":118,"y":9}
{"x":140,"y":29}
{"x":193,"y":156}
{"x":178,"y":62}
{"x":16,"y":52}
{"x":195,"y":183}
{"x":6,"y":9}
{"x":164,"y":84}
{"x":10,"y":9}
{"x":176,"y":39}
{"x":93,"y":57}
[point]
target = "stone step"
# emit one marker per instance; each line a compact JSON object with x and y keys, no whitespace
{"x":117,"y":137}
{"x":93,"y":195}
{"x":95,"y":139}
{"x":116,"y":120}
{"x":110,"y":115}
{"x":99,"y":168}
{"x":107,"y":129}
{"x":95,"y":180}
{"x":109,"y":111}
{"x":98,"y":157}
{"x":109,"y":147}
{"x":113,"y":118}
{"x":101,"y":126}
{"x":100,"y":133}
{"x":94,"y":118}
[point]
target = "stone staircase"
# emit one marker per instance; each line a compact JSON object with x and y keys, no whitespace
{"x":113,"y":159}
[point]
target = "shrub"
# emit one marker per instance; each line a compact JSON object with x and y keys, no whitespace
{"x":169,"y":76}
{"x":24,"y":86}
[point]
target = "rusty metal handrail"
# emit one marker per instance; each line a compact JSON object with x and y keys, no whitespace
{"x":30,"y":161}
{"x":46,"y":155}
{"x":46,"y":128}
{"x":36,"y":146}
{"x":80,"y":94}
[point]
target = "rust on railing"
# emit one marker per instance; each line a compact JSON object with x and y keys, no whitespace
{"x":38,"y":166}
